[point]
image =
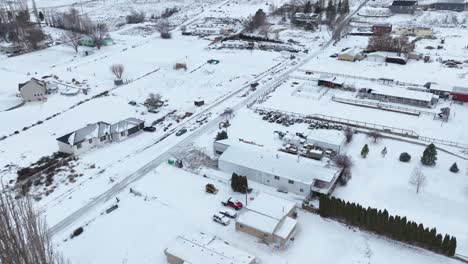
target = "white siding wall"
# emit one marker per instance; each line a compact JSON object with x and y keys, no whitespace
{"x":326,"y":145}
{"x":265,"y":178}
{"x":65,"y":148}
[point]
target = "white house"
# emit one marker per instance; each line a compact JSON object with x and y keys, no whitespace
{"x":126,"y":128}
{"x":280,"y":170}
{"x":98,"y":134}
{"x":200,"y":248}
{"x":269,"y":218}
{"x":33,"y":90}
{"x":85,"y":138}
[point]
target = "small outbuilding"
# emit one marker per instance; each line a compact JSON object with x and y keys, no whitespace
{"x":199,"y":103}
{"x":353,"y":54}
{"x":451,"y":5}
{"x":403,"y":7}
{"x":456,"y":93}
{"x":269,"y":218}
{"x":33,"y":90}
{"x":414,"y":31}
{"x":381,"y":29}
{"x":331,"y":81}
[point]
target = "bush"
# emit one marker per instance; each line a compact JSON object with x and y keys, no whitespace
{"x":454,"y":168}
{"x":405,"y":157}
{"x":221,"y":135}
{"x":166,"y":35}
{"x":429,"y":156}
{"x":136,"y":17}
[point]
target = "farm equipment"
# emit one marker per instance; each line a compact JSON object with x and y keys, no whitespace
{"x":210,"y":188}
{"x":235,"y":205}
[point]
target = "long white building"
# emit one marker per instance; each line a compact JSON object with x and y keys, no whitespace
{"x":280,"y":170}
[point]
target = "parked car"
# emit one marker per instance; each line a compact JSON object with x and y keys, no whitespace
{"x":181,"y":132}
{"x":132,"y":103}
{"x":221,"y":219}
{"x":149,"y":129}
{"x":236,"y":205}
{"x":153,"y":111}
{"x":228,"y":213}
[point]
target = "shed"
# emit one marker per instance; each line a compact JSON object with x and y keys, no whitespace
{"x":382,"y":29}
{"x":451,"y":5}
{"x":199,"y":103}
{"x":414,"y":31}
{"x":353,"y":54}
{"x":457,"y":93}
{"x":403,"y":7}
{"x":331,"y":81}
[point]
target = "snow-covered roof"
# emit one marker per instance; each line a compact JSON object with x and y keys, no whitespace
{"x":277,"y":163}
{"x":352,"y":52}
{"x":269,"y":214}
{"x":402,"y":93}
{"x":332,"y":79}
{"x":387,"y":54}
{"x":271,"y":205}
{"x":286,"y":227}
{"x":90,"y":131}
{"x":125,"y":125}
{"x":328,"y":136}
{"x":200,"y":248}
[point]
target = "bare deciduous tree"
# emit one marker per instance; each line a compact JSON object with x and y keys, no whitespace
{"x":349,"y":133}
{"x":23,"y":234}
{"x":153,"y":101}
{"x":418,"y":179}
{"x":98,"y":33}
{"x":34,"y":36}
{"x":117,"y":70}
{"x":164,"y":28}
{"x":72,"y":39}
{"x":374,"y":135}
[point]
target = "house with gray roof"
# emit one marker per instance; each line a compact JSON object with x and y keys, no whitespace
{"x":98,"y":134}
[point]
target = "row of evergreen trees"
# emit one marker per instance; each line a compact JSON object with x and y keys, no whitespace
{"x":395,"y":227}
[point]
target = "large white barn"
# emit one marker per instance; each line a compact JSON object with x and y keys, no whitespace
{"x":280,"y":170}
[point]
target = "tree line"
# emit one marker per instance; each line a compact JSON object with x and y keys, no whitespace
{"x":380,"y":222}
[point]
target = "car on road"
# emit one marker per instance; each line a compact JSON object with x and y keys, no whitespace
{"x":153,"y":111}
{"x":132,"y":103}
{"x":221,"y":219}
{"x":181,"y":132}
{"x":235,"y":205}
{"x":149,"y":129}
{"x":228,"y":213}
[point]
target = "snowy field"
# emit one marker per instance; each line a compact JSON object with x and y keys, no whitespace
{"x":173,"y":202}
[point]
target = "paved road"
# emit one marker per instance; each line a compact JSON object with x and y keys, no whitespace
{"x":120,"y":186}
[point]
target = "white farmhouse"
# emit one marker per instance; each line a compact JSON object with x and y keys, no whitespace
{"x":85,"y":138}
{"x":200,"y":248}
{"x":98,"y":134}
{"x":291,"y":173}
{"x":33,"y":90}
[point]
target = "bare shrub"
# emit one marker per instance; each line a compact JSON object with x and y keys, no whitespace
{"x":136,"y":17}
{"x":375,"y":135}
{"x":72,"y":39}
{"x":349,"y":133}
{"x":418,"y":179}
{"x":117,"y":70}
{"x":343,"y":161}
{"x":98,"y":33}
{"x":153,"y":101}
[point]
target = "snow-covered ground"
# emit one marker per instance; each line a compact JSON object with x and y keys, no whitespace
{"x":174,"y":202}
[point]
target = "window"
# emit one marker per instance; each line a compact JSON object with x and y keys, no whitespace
{"x":103,"y":138}
{"x":122,"y":133}
{"x":276,"y":177}
{"x":90,"y":141}
{"x":301,"y":190}
{"x":78,"y":146}
{"x":219,"y":152}
{"x":290,"y":181}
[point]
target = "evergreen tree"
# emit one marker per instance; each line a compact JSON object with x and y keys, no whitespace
{"x":446,"y":245}
{"x":429,"y":156}
{"x":331,"y":11}
{"x":345,"y":7}
{"x":453,"y":246}
{"x":365,"y":151}
{"x":454,"y":168}
{"x":221,"y":135}
{"x":340,"y":8}
{"x":234,"y":181}
{"x":308,"y":7}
